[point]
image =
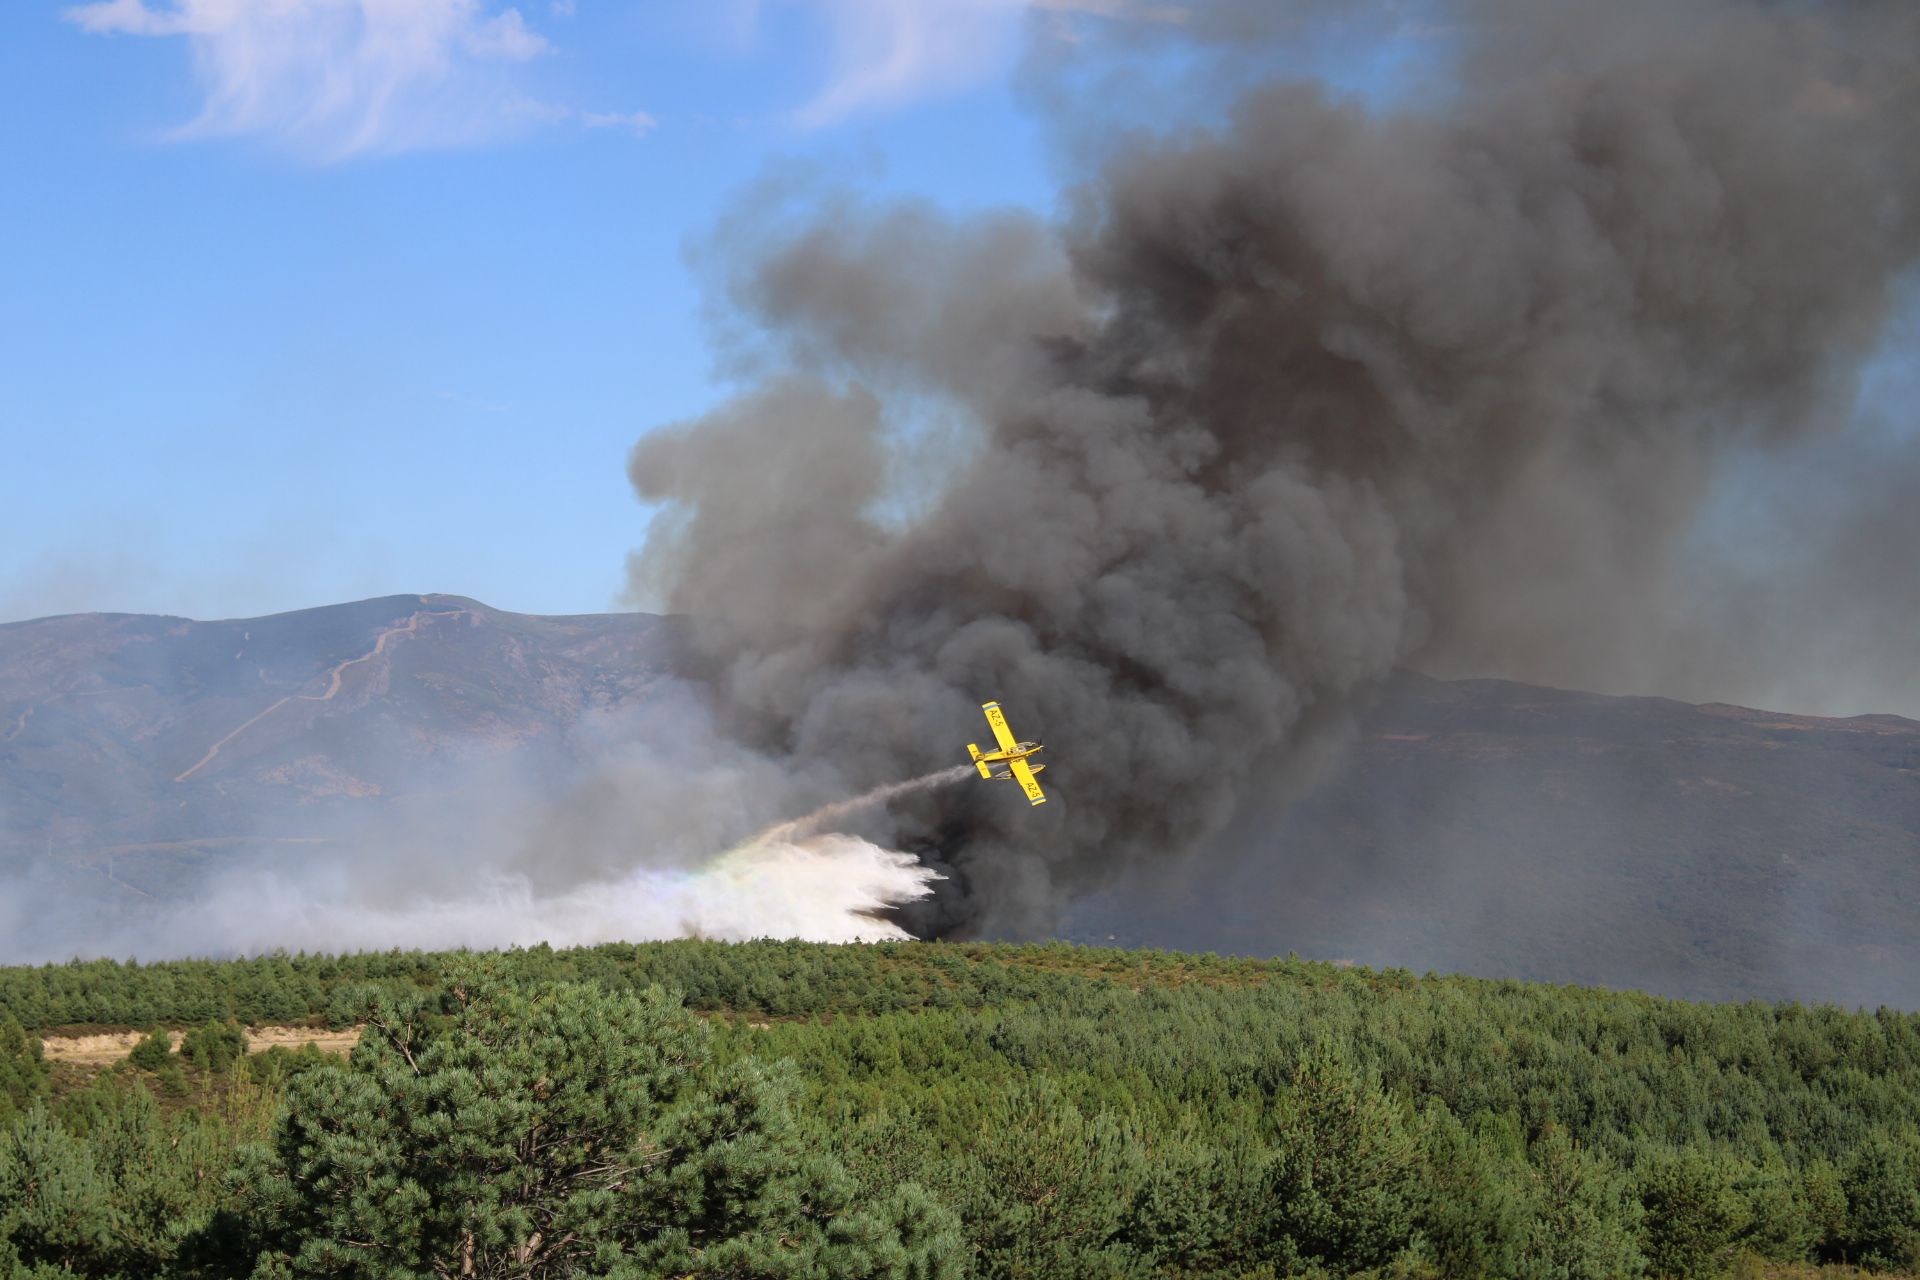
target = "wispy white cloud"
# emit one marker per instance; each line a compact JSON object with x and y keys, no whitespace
{"x":887,"y":53}
{"x":540,"y":111}
{"x":636,"y":123}
{"x":332,"y":79}
{"x":890,"y":52}
{"x":337,"y":78}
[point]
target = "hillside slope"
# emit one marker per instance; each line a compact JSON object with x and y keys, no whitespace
{"x":1475,"y":826}
{"x":1506,"y":830}
{"x":136,"y":749}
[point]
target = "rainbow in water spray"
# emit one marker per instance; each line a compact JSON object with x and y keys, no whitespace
{"x":824,"y":885}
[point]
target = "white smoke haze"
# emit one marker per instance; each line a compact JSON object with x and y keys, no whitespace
{"x":663,"y":829}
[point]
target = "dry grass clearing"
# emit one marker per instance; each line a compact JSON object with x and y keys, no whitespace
{"x":106,"y":1048}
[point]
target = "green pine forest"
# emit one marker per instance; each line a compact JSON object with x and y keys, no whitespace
{"x":934,"y":1111}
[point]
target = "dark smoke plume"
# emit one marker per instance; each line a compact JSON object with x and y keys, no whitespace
{"x":1280,"y":404}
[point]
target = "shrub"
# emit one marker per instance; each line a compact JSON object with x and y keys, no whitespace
{"x":154,"y":1052}
{"x":279,"y":1064}
{"x":172,"y":1079}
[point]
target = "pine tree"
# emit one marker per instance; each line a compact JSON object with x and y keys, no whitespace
{"x":1582,"y":1224}
{"x":1344,"y":1178}
{"x":1473,"y":1215}
{"x":1047,"y":1189}
{"x":1690,"y":1213}
{"x":214,"y":1046}
{"x":1882,"y":1185}
{"x":560,"y":1130}
{"x":23,"y":1071}
{"x":123,"y":1201}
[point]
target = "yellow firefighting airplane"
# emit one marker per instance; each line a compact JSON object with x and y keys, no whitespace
{"x":1012,"y":754}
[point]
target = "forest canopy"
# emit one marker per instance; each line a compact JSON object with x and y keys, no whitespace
{"x":941,"y":1110}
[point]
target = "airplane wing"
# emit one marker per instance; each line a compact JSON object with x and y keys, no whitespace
{"x":1028,"y":783}
{"x":1001,"y":734}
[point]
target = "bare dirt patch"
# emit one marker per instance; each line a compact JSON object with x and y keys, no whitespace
{"x":261,"y":1039}
{"x":107,"y":1048}
{"x":95,"y":1050}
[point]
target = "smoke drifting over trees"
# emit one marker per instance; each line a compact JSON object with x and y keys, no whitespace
{"x":1281,"y":403}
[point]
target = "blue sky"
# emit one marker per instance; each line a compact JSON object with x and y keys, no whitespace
{"x":376,"y":299}
{"x":314,"y":300}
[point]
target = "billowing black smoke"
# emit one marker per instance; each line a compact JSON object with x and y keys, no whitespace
{"x":1279,"y":405}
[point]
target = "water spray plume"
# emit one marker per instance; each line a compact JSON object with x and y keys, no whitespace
{"x":825,"y":885}
{"x":795,"y":879}
{"x":799,"y":829}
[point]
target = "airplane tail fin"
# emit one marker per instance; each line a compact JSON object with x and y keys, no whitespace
{"x":973,"y":749}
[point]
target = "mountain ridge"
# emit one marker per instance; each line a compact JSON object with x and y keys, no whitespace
{"x":1482,"y":825}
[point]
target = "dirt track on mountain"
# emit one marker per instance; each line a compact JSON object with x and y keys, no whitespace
{"x":409,"y":627}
